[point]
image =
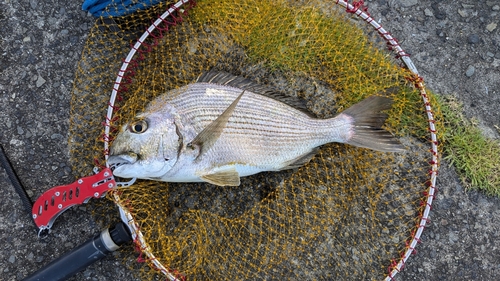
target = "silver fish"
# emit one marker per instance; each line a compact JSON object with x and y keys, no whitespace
{"x":224,"y":127}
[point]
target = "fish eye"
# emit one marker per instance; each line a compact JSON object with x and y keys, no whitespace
{"x":138,"y":127}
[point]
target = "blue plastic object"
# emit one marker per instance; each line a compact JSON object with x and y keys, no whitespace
{"x":116,"y":8}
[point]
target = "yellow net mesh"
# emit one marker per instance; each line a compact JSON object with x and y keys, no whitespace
{"x":348,"y":214}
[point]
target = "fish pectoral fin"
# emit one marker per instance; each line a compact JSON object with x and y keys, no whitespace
{"x":223,"y":178}
{"x":208,"y":136}
{"x":301,"y":160}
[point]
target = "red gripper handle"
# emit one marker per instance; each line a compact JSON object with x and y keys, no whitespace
{"x":58,"y":199}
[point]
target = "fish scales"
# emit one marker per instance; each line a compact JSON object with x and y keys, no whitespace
{"x":261,"y":123}
{"x":218,"y":132}
{"x":261,"y":126}
{"x":254,"y":111}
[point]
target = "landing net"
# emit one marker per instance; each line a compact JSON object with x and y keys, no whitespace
{"x":350,"y":213}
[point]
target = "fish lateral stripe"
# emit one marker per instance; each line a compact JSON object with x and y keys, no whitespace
{"x":227,"y":79}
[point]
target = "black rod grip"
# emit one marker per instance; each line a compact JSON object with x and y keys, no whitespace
{"x":84,"y":255}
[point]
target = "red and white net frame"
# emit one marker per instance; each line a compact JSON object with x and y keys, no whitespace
{"x":173,"y":16}
{"x":358,"y":9}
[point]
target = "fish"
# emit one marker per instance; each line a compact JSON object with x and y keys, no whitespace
{"x":223,"y":127}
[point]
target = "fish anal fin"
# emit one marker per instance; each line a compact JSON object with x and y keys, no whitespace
{"x":228,"y":177}
{"x":301,"y":160}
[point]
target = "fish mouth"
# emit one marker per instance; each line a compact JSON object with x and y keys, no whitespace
{"x":116,"y":161}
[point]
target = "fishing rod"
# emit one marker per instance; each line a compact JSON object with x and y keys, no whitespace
{"x":92,"y":250}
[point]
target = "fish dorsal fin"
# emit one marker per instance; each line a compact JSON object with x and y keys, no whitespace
{"x":227,"y":79}
{"x":208,"y":136}
{"x":228,"y":177}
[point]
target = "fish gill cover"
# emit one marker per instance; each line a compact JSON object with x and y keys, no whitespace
{"x":348,"y":214}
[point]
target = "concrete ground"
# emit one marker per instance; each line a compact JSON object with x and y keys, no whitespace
{"x":454,"y":44}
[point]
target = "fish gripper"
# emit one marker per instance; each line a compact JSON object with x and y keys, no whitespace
{"x":58,"y":199}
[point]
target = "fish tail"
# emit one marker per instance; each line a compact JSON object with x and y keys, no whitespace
{"x":366,"y":121}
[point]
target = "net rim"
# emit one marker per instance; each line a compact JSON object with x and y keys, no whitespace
{"x":358,"y":9}
{"x":125,"y":215}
